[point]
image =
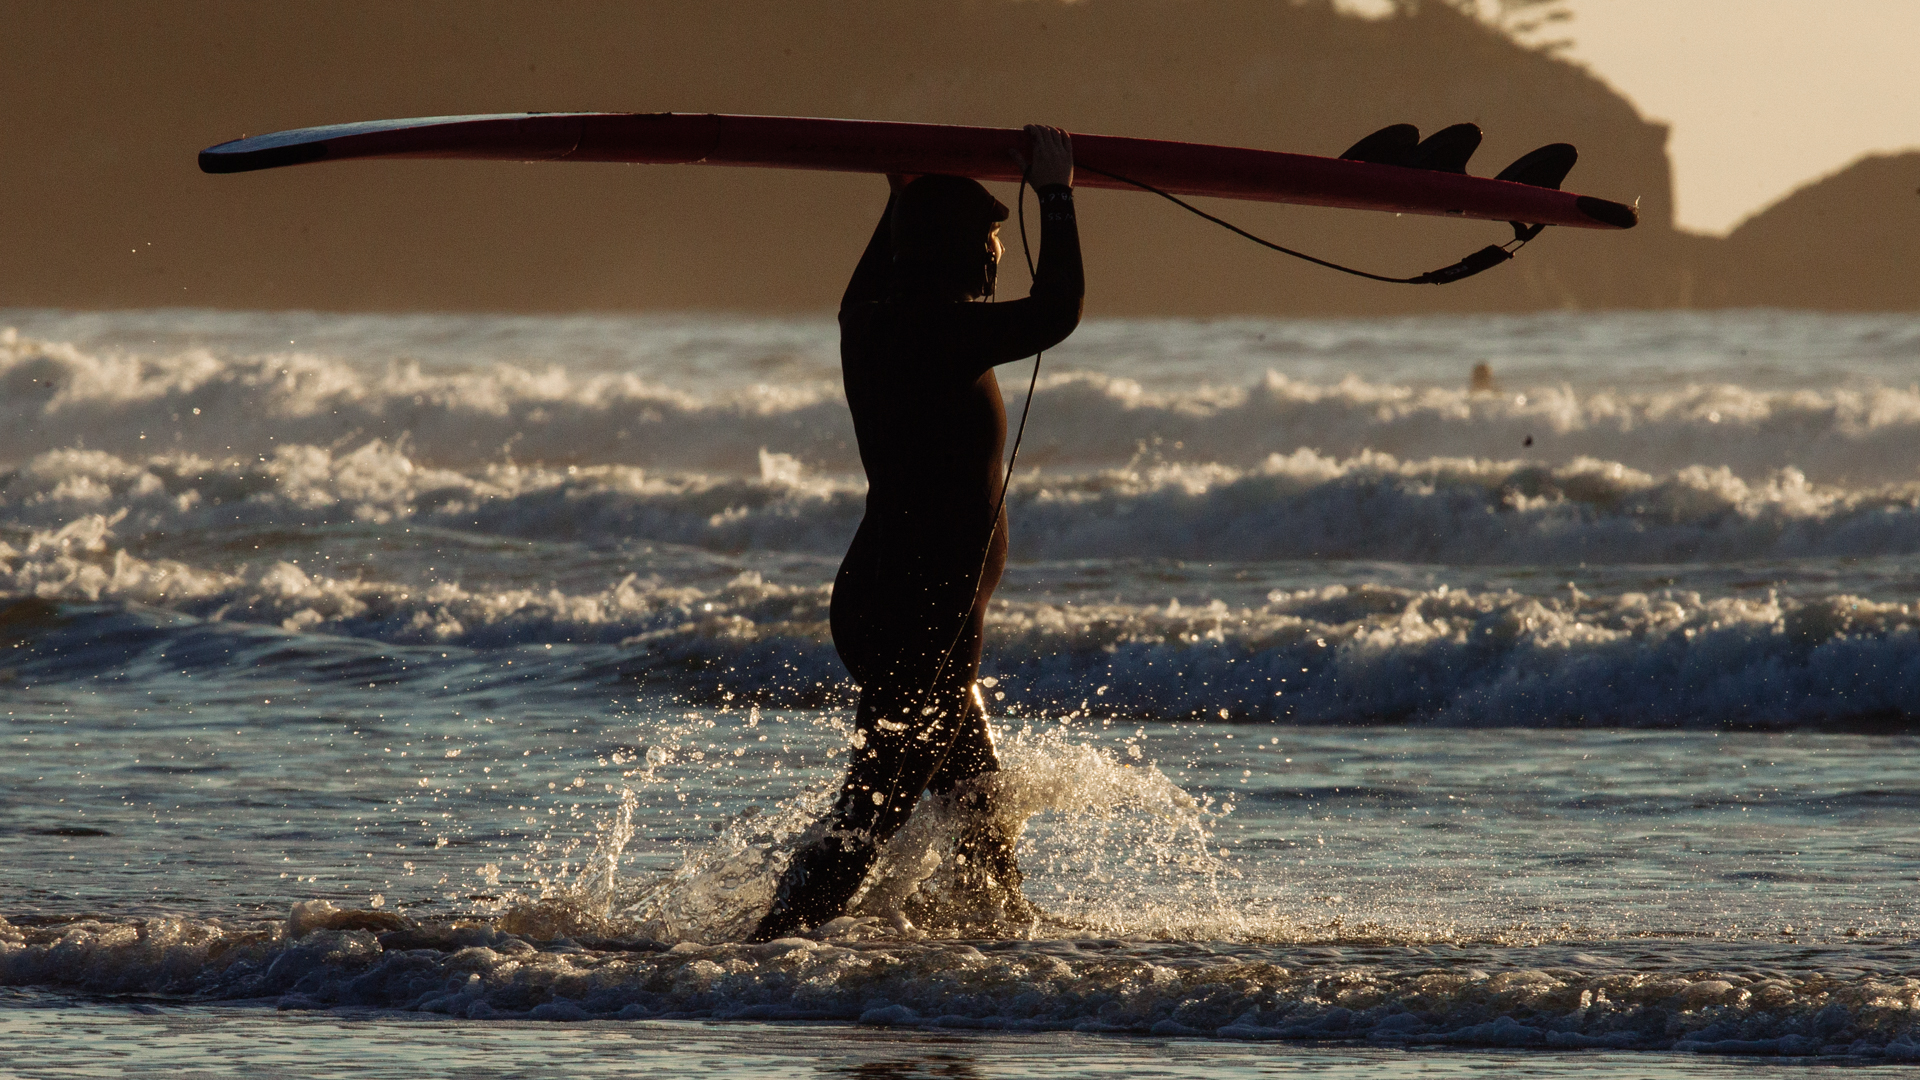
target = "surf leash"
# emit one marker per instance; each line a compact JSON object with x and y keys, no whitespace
{"x":1006,"y":481}
{"x":999,"y":506}
{"x":1485,"y":259}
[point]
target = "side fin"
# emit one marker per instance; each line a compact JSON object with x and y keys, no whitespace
{"x":1448,"y":149}
{"x":1391,"y":145}
{"x":1546,"y":167}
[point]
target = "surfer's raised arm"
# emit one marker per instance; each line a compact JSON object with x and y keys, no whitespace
{"x":1002,"y":333}
{"x":1058,"y":281}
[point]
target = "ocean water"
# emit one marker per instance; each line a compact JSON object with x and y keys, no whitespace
{"x":401,"y":693}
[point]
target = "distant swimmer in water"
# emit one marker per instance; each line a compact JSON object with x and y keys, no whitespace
{"x":917,"y":353}
{"x":1481,"y":380}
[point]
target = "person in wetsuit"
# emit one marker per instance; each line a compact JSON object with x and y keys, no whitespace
{"x":917,"y":352}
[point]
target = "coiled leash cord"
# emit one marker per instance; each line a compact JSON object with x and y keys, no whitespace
{"x":1485,"y":259}
{"x":993,"y":523}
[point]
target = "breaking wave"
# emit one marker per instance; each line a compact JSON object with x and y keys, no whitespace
{"x":1753,"y":1000}
{"x":278,"y":489}
{"x":199,"y":402}
{"x":1329,"y":654}
{"x":1298,"y":506}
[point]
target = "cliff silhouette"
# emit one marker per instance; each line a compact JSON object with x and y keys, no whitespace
{"x":110,"y":101}
{"x":1847,"y":242}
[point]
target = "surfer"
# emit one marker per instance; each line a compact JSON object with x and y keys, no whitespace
{"x":917,"y":353}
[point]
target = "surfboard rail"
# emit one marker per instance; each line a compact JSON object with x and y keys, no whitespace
{"x":877,"y":146}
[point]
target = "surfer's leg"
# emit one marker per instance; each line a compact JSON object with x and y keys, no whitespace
{"x":817,"y":884}
{"x":916,"y":707}
{"x":897,"y":749}
{"x":972,"y":754}
{"x":984,"y":848}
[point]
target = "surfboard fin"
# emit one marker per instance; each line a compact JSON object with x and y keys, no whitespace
{"x":1391,"y":145}
{"x":1546,"y":167}
{"x":1447,"y":150}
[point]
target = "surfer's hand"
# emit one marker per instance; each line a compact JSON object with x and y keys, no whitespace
{"x":1049,"y":156}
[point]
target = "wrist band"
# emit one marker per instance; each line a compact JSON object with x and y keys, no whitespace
{"x":1056,"y":203}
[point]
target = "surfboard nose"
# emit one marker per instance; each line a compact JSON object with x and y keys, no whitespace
{"x":1617,"y":215}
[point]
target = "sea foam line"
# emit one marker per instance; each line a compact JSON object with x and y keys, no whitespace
{"x":201,"y":402}
{"x":1333,"y":654}
{"x":1302,"y":505}
{"x":321,"y":957}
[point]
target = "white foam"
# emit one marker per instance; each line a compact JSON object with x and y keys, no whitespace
{"x":1297,"y":506}
{"x":195,"y":401}
{"x":1379,"y":994}
{"x":201,"y":401}
{"x":1329,"y":654}
{"x":90,"y":511}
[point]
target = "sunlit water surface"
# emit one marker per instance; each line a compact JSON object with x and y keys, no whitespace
{"x":445,"y":693}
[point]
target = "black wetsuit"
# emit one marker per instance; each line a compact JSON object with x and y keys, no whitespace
{"x":932,"y":429}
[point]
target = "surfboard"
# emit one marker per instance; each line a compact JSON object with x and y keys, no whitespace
{"x":873,"y":146}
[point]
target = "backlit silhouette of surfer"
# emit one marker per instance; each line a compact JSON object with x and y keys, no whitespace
{"x":909,"y":603}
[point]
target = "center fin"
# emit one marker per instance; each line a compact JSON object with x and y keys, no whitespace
{"x":1448,"y":149}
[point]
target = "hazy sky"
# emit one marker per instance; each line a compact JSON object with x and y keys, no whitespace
{"x":1762,"y":95}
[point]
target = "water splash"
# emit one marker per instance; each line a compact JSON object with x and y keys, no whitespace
{"x":1111,"y":845}
{"x":1108,"y":843}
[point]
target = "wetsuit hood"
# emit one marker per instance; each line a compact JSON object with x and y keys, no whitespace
{"x":941,"y":231}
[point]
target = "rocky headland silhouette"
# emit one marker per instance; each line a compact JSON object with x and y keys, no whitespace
{"x":106,"y":208}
